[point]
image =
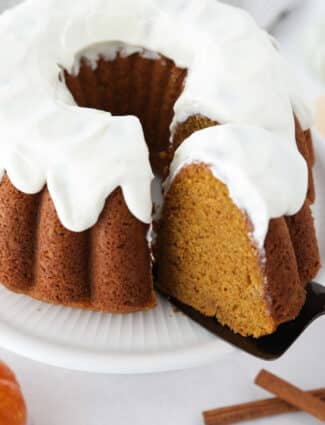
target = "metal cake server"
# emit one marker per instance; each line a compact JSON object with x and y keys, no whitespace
{"x":272,"y":346}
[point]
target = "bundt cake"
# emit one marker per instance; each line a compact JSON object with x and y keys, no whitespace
{"x":95,"y":99}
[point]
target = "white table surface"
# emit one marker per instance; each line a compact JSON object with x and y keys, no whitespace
{"x":61,"y":397}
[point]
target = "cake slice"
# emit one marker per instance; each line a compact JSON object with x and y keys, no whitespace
{"x":208,"y":253}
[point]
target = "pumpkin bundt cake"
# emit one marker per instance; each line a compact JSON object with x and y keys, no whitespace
{"x":95,"y":99}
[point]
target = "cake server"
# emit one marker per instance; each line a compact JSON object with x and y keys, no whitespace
{"x":269,"y":347}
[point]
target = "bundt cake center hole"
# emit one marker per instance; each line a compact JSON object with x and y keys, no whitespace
{"x":143,"y":84}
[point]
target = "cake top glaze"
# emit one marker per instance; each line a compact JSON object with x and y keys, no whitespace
{"x":254,"y":189}
{"x":235,"y":75}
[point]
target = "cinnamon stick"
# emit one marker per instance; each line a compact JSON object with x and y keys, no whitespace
{"x":291,"y":394}
{"x":253,"y":410}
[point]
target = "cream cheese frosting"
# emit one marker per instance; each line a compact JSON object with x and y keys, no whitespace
{"x":235,"y":76}
{"x":254,"y":189}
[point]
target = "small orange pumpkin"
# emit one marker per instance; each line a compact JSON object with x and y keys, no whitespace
{"x":12,"y":403}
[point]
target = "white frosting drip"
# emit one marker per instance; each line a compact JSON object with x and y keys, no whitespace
{"x":252,"y":171}
{"x":235,"y":75}
{"x":109,"y":51}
